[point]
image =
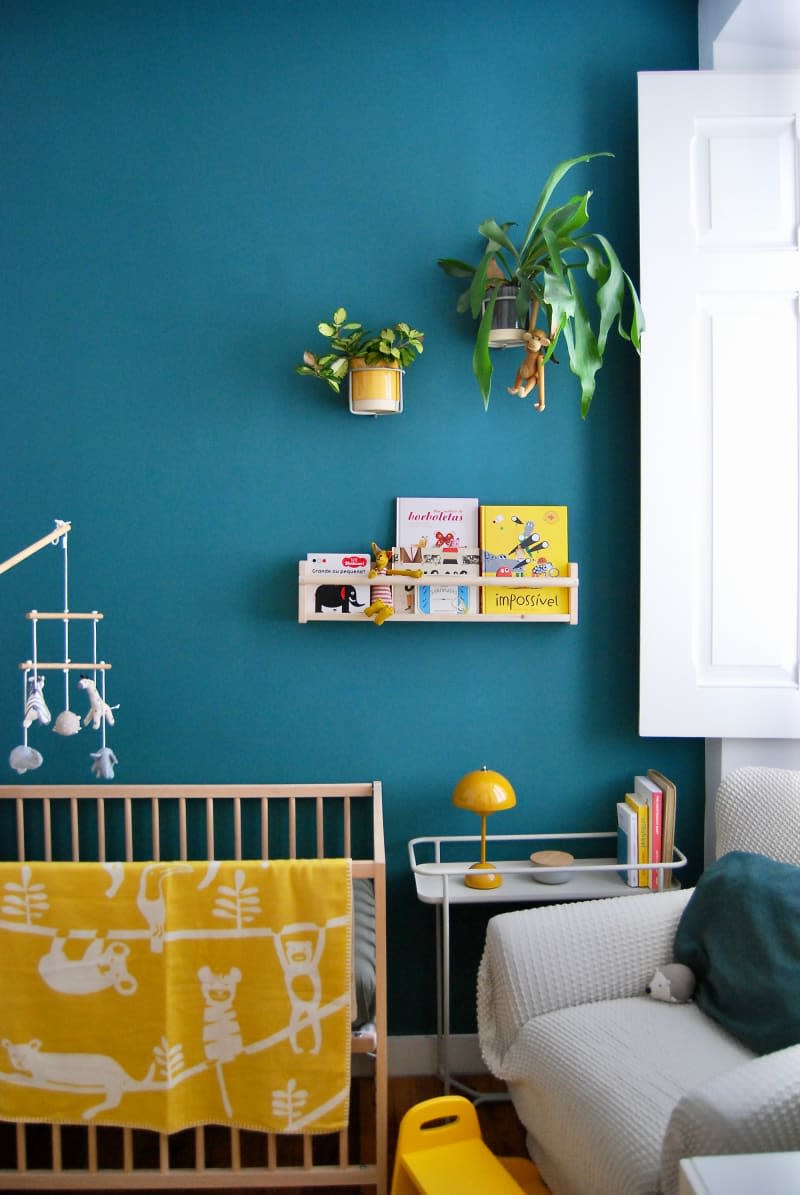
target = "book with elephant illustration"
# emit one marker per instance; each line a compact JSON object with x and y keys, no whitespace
{"x":347,"y":592}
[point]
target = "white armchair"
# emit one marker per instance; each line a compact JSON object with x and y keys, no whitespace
{"x":613,"y":1087}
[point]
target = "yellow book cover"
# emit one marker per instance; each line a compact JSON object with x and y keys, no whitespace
{"x":640,"y":808}
{"x":524,"y":541}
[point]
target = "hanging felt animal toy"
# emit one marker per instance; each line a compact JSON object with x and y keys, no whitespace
{"x":98,"y":707}
{"x":35,"y":705}
{"x":104,"y":761}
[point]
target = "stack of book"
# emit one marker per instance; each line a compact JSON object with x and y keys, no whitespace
{"x":646,"y":831}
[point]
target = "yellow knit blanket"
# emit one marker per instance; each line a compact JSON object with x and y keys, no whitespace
{"x":165,"y":995}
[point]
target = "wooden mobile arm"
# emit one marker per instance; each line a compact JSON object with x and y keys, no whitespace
{"x":53,"y":538}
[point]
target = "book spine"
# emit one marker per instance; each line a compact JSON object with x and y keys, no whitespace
{"x":644,"y":841}
{"x":627,"y":844}
{"x":656,"y":821}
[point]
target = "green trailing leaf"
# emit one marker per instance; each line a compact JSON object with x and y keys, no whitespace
{"x":477,"y":290}
{"x":496,"y":236}
{"x":455,"y":268}
{"x":584,"y":355}
{"x":549,"y":187}
{"x":481,"y":361}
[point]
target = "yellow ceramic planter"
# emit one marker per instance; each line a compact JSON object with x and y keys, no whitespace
{"x":375,"y":389}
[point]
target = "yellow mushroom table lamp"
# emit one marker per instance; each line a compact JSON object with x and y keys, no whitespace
{"x":483,"y":792}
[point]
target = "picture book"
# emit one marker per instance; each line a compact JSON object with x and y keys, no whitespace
{"x":457,"y":598}
{"x":445,"y":531}
{"x":443,"y":523}
{"x":628,"y":842}
{"x":636,"y":803}
{"x":524,"y":541}
{"x":667,"y":821}
{"x":342,"y":596}
{"x":650,"y":792}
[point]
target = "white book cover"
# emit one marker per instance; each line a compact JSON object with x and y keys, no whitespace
{"x":627,"y":842}
{"x":458,"y":598}
{"x":443,"y":529}
{"x":342,"y":596}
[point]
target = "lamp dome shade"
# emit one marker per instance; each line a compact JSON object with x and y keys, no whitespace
{"x":484,"y":792}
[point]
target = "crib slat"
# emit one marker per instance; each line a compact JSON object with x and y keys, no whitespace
{"x":55,"y":1140}
{"x":265,"y":827}
{"x":91,"y":1143}
{"x":20,"y":812}
{"x":182,"y":832}
{"x":320,"y":828}
{"x":292,"y":828}
{"x":128,"y":811}
{"x":237,"y":828}
{"x":48,"y":830}
{"x":348,"y":848}
{"x":74,"y":829}
{"x":101,"y":829}
{"x":155,"y":832}
{"x":210,"y":828}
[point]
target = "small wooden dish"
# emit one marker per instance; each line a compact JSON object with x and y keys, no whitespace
{"x":547,"y":866}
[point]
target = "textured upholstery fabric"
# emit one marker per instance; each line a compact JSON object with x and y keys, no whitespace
{"x":758,"y":809}
{"x":601,"y":1085}
{"x":614,"y":1088}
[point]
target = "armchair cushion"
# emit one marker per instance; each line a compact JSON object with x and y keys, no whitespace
{"x":740,"y":934}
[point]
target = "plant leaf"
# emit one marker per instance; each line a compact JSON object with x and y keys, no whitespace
{"x":477,"y":290}
{"x":584,"y":356}
{"x":552,"y":182}
{"x":455,"y":268}
{"x":497,"y":237}
{"x":481,"y":359}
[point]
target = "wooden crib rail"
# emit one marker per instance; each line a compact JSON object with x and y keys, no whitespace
{"x":143,"y":813}
{"x":199,"y":822}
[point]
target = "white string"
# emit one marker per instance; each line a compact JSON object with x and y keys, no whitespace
{"x":24,"y":702}
{"x":103,"y":694}
{"x":66,"y":623}
{"x":35,"y":643}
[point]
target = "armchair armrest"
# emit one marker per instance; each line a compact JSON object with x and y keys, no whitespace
{"x":754,"y":1108}
{"x":538,"y":960}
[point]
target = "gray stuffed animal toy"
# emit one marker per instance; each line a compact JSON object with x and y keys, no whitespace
{"x":673,"y":983}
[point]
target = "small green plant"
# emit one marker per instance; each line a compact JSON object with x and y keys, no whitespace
{"x":557,"y":259}
{"x":398,"y":346}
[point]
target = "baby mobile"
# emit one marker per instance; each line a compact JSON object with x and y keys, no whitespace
{"x":25,"y":758}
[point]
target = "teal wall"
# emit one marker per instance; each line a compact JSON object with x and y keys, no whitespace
{"x":188,"y":189}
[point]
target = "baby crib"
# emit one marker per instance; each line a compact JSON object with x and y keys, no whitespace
{"x":207,"y":822}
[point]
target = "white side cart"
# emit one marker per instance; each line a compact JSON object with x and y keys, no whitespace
{"x":440,"y":883}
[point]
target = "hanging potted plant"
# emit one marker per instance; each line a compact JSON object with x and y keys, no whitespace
{"x":556,"y":262}
{"x":373,"y":363}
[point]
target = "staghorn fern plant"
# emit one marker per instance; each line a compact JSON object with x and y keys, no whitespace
{"x":557,"y":258}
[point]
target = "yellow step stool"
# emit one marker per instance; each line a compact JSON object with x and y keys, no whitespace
{"x":440,"y":1151}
